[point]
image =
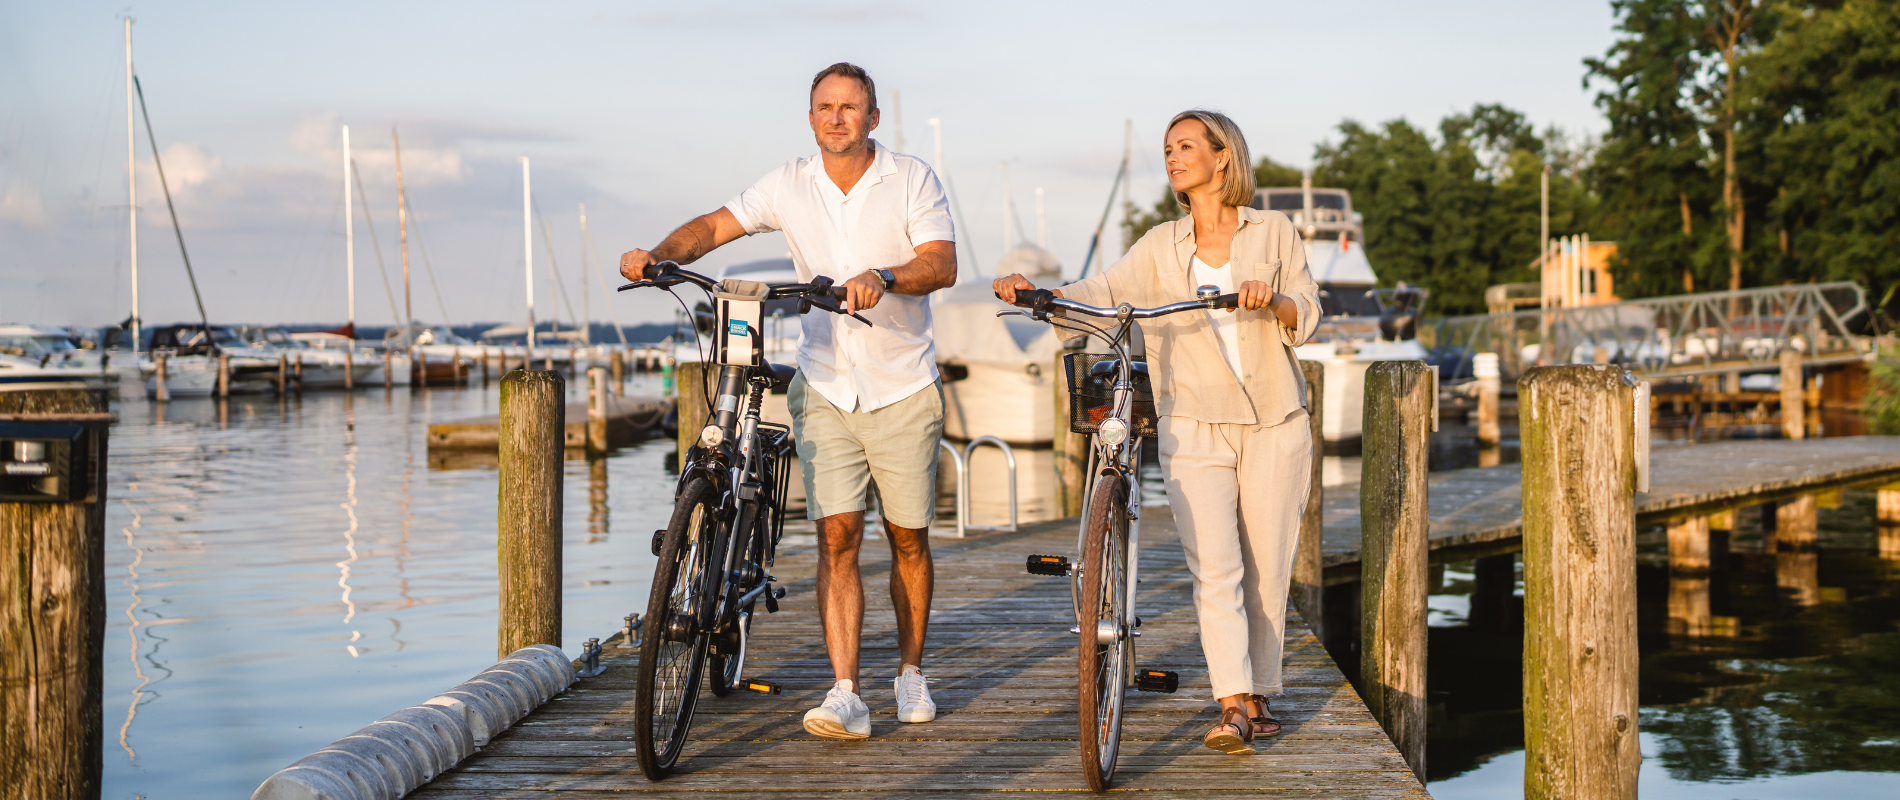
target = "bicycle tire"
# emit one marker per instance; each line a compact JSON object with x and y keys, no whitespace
{"x":671,"y":667}
{"x":1101,"y":678}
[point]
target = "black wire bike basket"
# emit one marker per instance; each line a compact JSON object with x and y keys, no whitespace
{"x":1092,"y":397}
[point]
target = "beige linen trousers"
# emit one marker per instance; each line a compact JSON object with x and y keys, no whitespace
{"x":1236,"y":452}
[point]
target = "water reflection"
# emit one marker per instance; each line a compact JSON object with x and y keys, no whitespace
{"x":1770,"y":649}
{"x":252,"y":529}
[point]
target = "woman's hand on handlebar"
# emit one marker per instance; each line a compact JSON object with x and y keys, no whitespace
{"x":1254,"y":295}
{"x":1007,"y":286}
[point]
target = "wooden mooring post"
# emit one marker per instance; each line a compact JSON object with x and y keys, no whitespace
{"x":161,"y":387}
{"x":1071,"y":448}
{"x":283,"y":373}
{"x":349,"y":369}
{"x":690,"y":384}
{"x":597,"y":410}
{"x":1797,"y":562}
{"x":1793,"y":399}
{"x":533,"y":434}
{"x":617,"y":361}
{"x":1394,"y":557}
{"x":224,"y":375}
{"x":389,"y":375}
{"x":53,"y":609}
{"x":1308,"y":588}
{"x":1580,"y":449}
{"x":1484,"y":367}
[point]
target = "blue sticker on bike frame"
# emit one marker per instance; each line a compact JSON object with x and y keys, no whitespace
{"x":736,"y":327}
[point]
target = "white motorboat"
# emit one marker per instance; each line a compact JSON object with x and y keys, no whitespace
{"x":997,"y":370}
{"x":191,"y":362}
{"x":35,"y":357}
{"x":323,"y":368}
{"x":1360,"y":322}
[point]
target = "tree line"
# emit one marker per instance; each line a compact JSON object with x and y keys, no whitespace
{"x":1748,"y":143}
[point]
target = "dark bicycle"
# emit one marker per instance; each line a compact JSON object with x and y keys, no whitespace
{"x":1111,"y":401}
{"x":716,"y":554}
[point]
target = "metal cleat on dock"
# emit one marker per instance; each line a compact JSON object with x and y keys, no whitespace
{"x":627,"y":642}
{"x":590,"y":660}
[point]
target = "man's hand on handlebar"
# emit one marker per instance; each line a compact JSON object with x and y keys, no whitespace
{"x":863,"y":292}
{"x":633,"y":263}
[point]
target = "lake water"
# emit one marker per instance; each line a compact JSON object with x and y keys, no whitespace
{"x":281,"y":573}
{"x":287,"y":572}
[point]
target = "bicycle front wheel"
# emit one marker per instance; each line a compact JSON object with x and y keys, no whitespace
{"x":1102,"y":652}
{"x":674,"y":640}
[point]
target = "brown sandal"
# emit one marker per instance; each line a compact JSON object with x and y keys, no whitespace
{"x":1230,"y":736}
{"x":1266,"y":724}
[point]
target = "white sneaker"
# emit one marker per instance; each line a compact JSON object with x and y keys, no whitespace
{"x":913,"y":696}
{"x":842,"y":716}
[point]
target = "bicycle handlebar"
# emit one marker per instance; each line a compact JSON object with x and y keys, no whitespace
{"x":820,"y":292}
{"x":1041,"y":301}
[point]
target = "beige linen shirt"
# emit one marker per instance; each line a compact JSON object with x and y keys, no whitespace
{"x":1190,"y":376}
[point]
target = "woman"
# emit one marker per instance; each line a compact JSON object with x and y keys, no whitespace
{"x":1231,"y":401}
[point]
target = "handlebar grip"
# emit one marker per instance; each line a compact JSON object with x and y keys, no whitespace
{"x":1231,"y":300}
{"x":658,"y":270}
{"x":1035,"y":298}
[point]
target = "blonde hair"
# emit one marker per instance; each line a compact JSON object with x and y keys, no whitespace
{"x":1237,"y":186}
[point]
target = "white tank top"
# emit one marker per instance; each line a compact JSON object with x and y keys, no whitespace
{"x":1226,"y":323}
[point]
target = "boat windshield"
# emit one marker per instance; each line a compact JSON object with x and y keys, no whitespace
{"x":34,"y":346}
{"x":1293,"y":200}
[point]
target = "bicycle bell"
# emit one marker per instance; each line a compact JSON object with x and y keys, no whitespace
{"x":1207,"y":294}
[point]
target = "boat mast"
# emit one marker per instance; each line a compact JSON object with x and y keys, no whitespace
{"x":349,"y":234}
{"x":527,"y":247}
{"x":132,"y":184}
{"x":587,"y":316}
{"x":1042,"y":223}
{"x":1008,"y":207}
{"x":402,"y":226}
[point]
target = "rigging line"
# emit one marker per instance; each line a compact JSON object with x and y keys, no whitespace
{"x":591,"y":253}
{"x":1096,"y":240}
{"x":426,"y":267}
{"x":166,"y":185}
{"x":375,"y":245}
{"x":547,"y":238}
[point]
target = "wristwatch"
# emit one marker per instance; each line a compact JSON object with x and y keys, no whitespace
{"x":889,"y":278}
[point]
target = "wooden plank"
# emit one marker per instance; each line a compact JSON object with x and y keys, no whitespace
{"x":1002,"y":667}
{"x":1475,"y":507}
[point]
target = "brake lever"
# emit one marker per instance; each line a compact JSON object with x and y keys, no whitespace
{"x":826,"y":305}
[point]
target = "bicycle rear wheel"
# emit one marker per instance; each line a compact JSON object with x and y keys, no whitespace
{"x":1102,"y":652}
{"x":674,"y":643}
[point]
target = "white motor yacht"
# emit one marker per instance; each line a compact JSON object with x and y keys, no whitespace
{"x":36,"y":357}
{"x":191,"y":362}
{"x":1360,"y":322}
{"x":323,"y":368}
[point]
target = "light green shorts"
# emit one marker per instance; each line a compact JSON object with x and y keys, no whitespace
{"x":842,"y":452}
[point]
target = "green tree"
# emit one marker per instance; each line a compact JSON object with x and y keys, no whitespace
{"x":1825,"y":92}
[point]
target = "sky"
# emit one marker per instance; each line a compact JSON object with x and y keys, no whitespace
{"x":649,"y":114}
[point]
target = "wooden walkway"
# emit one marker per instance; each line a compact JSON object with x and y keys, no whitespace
{"x":1478,"y":511}
{"x":1001,"y":662}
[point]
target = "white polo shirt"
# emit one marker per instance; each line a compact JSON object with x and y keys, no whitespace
{"x":896,"y":205}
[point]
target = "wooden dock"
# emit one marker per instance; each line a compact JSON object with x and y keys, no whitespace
{"x":1477,"y":512}
{"x":628,"y":418}
{"x":1002,"y":666}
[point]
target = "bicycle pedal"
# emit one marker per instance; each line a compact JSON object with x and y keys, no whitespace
{"x":659,"y":538}
{"x":772,"y":598}
{"x":1048,"y":565}
{"x":1156,"y":680}
{"x":762,"y":687}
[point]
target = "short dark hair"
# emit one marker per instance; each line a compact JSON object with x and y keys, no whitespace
{"x":847,"y":69}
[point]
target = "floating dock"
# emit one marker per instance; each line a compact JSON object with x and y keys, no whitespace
{"x":1478,"y":512}
{"x":628,"y":418}
{"x":1002,"y":666}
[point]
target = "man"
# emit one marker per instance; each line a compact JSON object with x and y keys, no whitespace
{"x":866,"y":405}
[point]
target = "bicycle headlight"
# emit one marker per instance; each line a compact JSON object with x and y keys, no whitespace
{"x":712,"y":436}
{"x":1113,"y":431}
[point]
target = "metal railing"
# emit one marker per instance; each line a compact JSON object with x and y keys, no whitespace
{"x":962,"y":459}
{"x":1663,"y":337}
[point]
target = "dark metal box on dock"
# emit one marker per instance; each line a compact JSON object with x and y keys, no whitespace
{"x":45,"y":461}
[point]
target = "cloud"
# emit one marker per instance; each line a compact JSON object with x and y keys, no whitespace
{"x":319,"y":135}
{"x":21,"y":206}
